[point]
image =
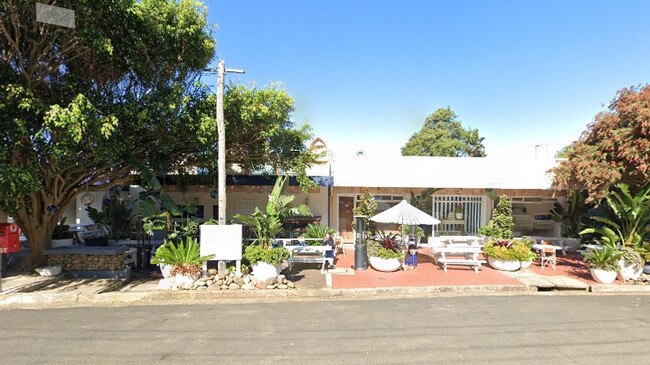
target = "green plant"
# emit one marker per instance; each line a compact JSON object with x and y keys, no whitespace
{"x":604,"y":258}
{"x":274,"y":256}
{"x":62,"y":231}
{"x":644,"y":251}
{"x":387,"y":254}
{"x":184,"y":256}
{"x":572,"y":217}
{"x":318,"y":231}
{"x":628,"y":217}
{"x":407,"y":230}
{"x":367,"y":207}
{"x":501,"y":224}
{"x":116,"y":215}
{"x":632,"y":257}
{"x":515,"y":250}
{"x":266,"y":225}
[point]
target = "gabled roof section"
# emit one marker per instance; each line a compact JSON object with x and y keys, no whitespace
{"x":443,"y":172}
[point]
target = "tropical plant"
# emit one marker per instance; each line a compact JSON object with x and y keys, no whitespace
{"x":627,"y":217}
{"x":183,"y":256}
{"x":572,"y":217}
{"x":604,"y":258}
{"x":256,"y":253}
{"x":388,"y":240}
{"x":385,"y":250}
{"x":318,"y":231}
{"x":62,"y":231}
{"x":266,"y":225}
{"x":501,"y":224}
{"x":115,"y":214}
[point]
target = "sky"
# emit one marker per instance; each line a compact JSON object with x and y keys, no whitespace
{"x":366,"y":74}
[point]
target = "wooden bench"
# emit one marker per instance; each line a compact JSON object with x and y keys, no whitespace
{"x":460,"y":255}
{"x":309,"y":255}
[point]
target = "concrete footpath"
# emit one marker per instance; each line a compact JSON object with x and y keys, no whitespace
{"x":29,"y":291}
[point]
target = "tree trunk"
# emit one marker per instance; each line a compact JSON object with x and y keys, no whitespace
{"x":38,"y":226}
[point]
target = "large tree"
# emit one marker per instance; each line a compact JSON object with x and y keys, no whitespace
{"x":443,"y":135}
{"x":78,"y":106}
{"x":260,"y":135}
{"x":615,"y":148}
{"x":84,"y":108}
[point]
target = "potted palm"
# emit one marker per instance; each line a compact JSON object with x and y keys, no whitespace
{"x":603,"y":264}
{"x":266,"y":260}
{"x":183,"y":260}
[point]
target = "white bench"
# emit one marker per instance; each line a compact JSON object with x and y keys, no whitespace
{"x":460,"y":255}
{"x":309,"y":255}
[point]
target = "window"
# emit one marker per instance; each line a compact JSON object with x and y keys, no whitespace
{"x":458,"y":215}
{"x":384,"y":201}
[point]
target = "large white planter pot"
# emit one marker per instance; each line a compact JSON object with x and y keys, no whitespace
{"x":629,"y":271}
{"x":185,"y":282}
{"x":264,"y":271}
{"x":503,"y":265}
{"x":525,"y":264}
{"x":62,"y":242}
{"x":386,"y":265}
{"x":602,"y":276}
{"x":165,"y":270}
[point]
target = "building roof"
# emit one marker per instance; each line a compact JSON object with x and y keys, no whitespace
{"x":443,"y":172}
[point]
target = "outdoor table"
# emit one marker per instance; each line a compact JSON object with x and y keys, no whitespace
{"x":543,"y":258}
{"x":469,"y":253}
{"x":309,"y":254}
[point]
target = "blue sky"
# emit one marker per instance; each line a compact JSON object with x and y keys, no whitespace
{"x":365,"y":74}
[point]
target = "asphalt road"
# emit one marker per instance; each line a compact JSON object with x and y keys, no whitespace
{"x":476,"y":330}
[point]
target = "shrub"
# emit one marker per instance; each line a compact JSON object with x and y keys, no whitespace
{"x":605,"y":258}
{"x":62,"y":231}
{"x":517,"y":250}
{"x":501,"y":224}
{"x":255,"y":253}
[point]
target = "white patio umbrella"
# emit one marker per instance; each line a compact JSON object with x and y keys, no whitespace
{"x":404,"y":214}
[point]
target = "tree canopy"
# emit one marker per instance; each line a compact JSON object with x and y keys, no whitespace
{"x":443,"y":135}
{"x":83,"y":108}
{"x":615,"y":148}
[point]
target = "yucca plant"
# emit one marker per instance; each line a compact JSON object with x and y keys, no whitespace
{"x":183,"y":256}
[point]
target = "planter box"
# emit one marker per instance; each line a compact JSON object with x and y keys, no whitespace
{"x":384,"y":265}
{"x":504,"y":265}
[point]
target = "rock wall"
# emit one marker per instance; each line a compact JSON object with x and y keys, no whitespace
{"x":87,"y":262}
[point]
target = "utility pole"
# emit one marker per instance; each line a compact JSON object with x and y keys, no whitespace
{"x":221,"y":139}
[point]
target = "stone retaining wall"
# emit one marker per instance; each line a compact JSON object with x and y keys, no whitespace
{"x":87,"y":262}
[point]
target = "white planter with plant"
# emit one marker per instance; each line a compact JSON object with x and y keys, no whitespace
{"x":265,"y":263}
{"x":509,"y":255}
{"x":62,"y":237}
{"x":385,"y":265}
{"x":184,"y":259}
{"x":603,"y":264}
{"x":384,"y":255}
{"x":631,"y":265}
